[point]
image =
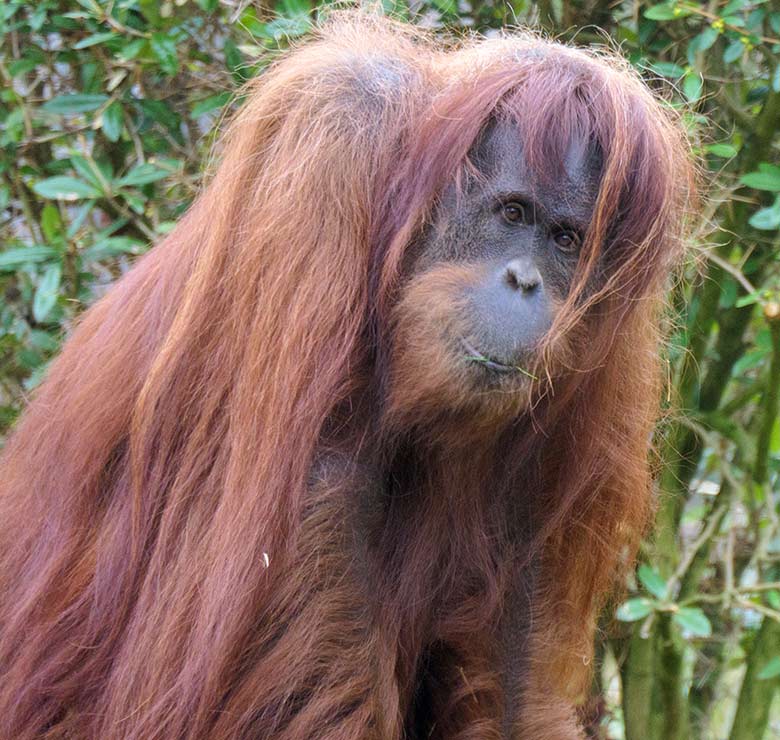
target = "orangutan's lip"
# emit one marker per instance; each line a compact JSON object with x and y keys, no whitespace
{"x":476,"y":356}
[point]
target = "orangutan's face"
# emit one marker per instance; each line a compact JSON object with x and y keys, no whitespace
{"x":489,"y":274}
{"x":521,"y":236}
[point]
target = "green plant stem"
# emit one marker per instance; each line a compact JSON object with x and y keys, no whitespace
{"x":755,"y":696}
{"x":772,"y":401}
{"x":669,"y":667}
{"x":637,"y":677}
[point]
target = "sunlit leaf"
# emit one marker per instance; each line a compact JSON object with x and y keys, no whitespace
{"x":766,"y":178}
{"x":692,"y":86}
{"x":652,"y":581}
{"x":727,"y":151}
{"x":767,"y":219}
{"x":694,"y":621}
{"x":634,"y":609}
{"x":112,"y":121}
{"x":63,"y":187}
{"x":46,"y":292}
{"x":13,"y":259}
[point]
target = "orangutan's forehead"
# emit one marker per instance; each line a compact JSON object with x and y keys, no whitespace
{"x":572,"y":182}
{"x":580,"y":155}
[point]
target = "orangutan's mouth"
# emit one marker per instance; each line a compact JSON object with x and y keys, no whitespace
{"x":473,"y":355}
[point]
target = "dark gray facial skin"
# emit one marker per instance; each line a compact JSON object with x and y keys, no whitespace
{"x":522,"y":233}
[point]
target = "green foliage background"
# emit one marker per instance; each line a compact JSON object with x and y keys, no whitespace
{"x":107,"y":114}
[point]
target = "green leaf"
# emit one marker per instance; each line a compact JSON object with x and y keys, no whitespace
{"x":234,"y":61}
{"x":662,"y":12}
{"x":694,"y":621}
{"x":36,"y":377}
{"x":746,"y":300}
{"x":78,"y":103}
{"x":51,"y":223}
{"x":23,"y":66}
{"x":65,"y":188}
{"x":13,"y":259}
{"x":136,"y":202}
{"x":112,"y":121}
{"x":447,"y":7}
{"x":652,"y":581}
{"x":162,"y":113}
{"x":143,"y":174}
{"x":164,"y":49}
{"x":767,"y":219}
{"x":94,"y":39}
{"x":151,"y":10}
{"x":47,"y":292}
{"x":774,"y":447}
{"x":766,"y":178}
{"x":727,"y":151}
{"x":211,"y":103}
{"x":733,"y":51}
{"x":132,"y":49}
{"x":296,"y":7}
{"x":396,"y":9}
{"x":733,"y":7}
{"x":667,"y":69}
{"x":706,"y":39}
{"x":292,"y":27}
{"x":38,"y":16}
{"x":111,"y":247}
{"x":90,"y":171}
{"x":79,"y":218}
{"x":634,"y":609}
{"x":42,"y":340}
{"x":770,"y":670}
{"x":692,"y":86}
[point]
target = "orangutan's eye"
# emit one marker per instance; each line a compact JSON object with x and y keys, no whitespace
{"x":567,"y":240}
{"x":514,"y":212}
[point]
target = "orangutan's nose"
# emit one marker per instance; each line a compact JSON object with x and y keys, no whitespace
{"x":521,"y":275}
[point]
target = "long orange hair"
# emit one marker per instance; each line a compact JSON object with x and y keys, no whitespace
{"x":190,"y":544}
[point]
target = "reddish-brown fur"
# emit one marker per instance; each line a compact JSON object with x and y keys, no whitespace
{"x":191,"y":540}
